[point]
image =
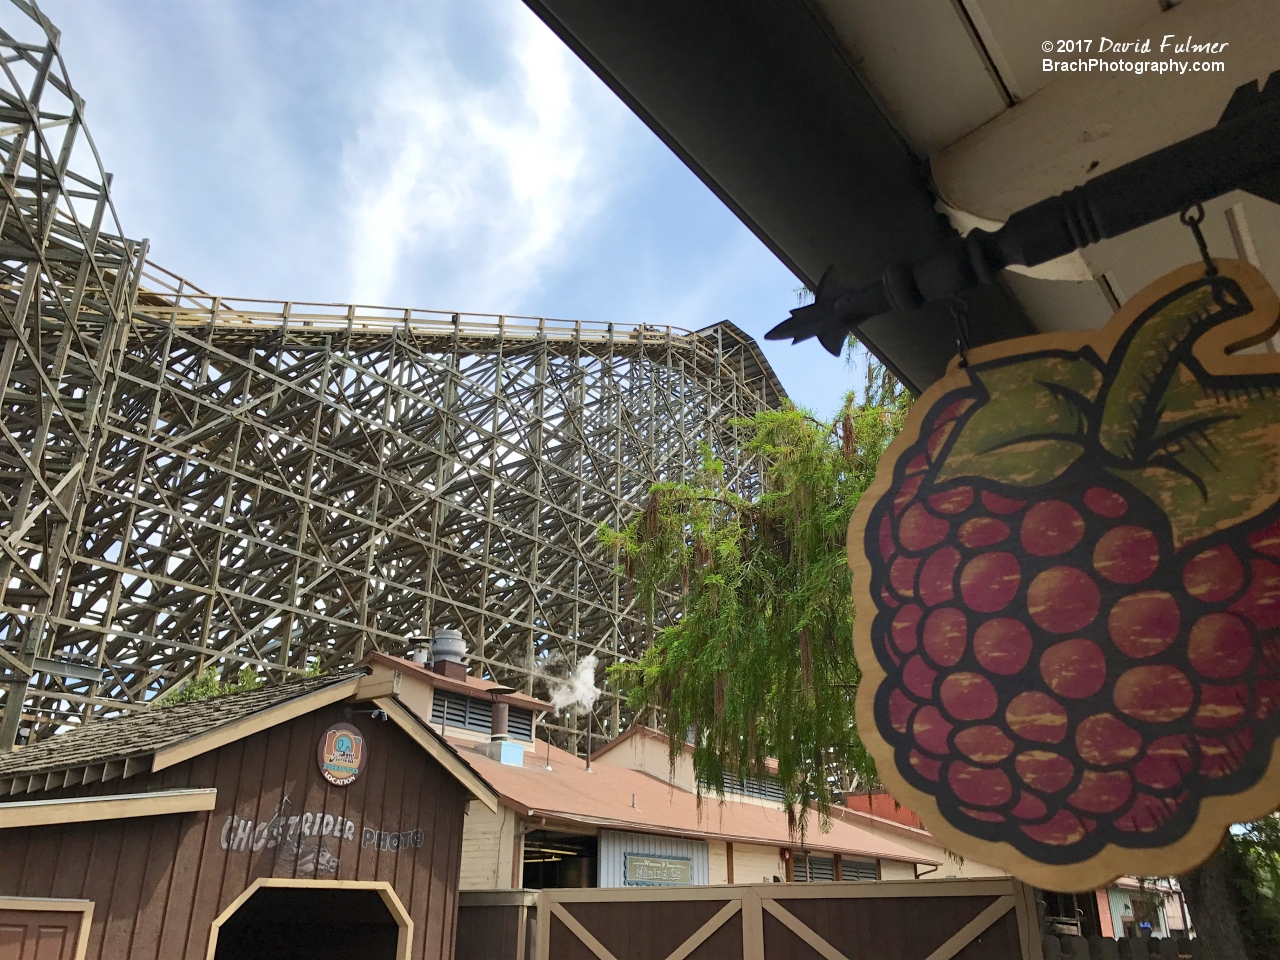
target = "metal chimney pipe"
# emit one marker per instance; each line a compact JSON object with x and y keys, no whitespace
{"x":498,"y":727}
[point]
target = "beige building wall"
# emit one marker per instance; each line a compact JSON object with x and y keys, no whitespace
{"x":419,"y":697}
{"x":718,"y":861}
{"x":949,"y":864}
{"x":649,"y":755}
{"x":488,"y":843}
{"x":897,"y":870}
{"x":756,"y":864}
{"x":732,"y":797}
{"x":415,"y":695}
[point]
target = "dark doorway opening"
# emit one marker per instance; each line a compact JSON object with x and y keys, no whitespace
{"x":560,"y":860}
{"x":310,"y":923}
{"x":1071,"y":914}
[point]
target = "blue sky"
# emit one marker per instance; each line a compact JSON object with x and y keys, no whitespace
{"x":446,"y":155}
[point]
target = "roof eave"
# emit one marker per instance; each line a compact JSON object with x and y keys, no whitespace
{"x":416,"y":670}
{"x":442,"y":752}
{"x":242,"y":727}
{"x":126,"y":764}
{"x":632,"y":827}
{"x":760,"y":100}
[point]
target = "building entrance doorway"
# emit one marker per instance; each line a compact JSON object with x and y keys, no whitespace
{"x":559,"y":860}
{"x":319,"y":921}
{"x":1071,"y":914}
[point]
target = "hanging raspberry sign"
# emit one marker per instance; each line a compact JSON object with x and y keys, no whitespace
{"x":1067,"y":578}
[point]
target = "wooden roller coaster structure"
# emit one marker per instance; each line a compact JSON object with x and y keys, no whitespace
{"x":190,"y":480}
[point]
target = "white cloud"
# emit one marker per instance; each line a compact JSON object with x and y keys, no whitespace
{"x":477,"y":188}
{"x":439,"y":155}
{"x":196,"y":133}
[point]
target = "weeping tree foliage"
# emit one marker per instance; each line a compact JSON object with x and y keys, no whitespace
{"x":1251,"y":855}
{"x":752,"y":659}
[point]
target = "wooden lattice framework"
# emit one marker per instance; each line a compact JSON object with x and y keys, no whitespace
{"x":68,"y":279}
{"x":188,"y":479}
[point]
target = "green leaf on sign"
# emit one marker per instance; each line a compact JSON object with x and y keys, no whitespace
{"x":1214,"y":460}
{"x":1033,"y":426}
{"x":1205,"y":448}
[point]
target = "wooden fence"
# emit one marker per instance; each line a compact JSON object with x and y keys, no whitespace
{"x":496,"y":924}
{"x":907,"y":920}
{"x":1127,"y":948}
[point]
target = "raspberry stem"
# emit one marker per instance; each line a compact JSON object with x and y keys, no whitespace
{"x":1142,"y":366}
{"x":1204,"y":446}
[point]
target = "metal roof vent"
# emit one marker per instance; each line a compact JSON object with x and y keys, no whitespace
{"x":447,"y":652}
{"x":448,"y":644}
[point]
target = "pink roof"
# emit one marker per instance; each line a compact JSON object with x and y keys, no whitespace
{"x":603,"y":798}
{"x":883,"y":805}
{"x":640,"y":730}
{"x":892,"y":827}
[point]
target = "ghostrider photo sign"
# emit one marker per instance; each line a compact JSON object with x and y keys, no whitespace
{"x":1067,"y":582}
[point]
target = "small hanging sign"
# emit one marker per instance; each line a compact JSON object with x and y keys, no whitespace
{"x":341,"y":754}
{"x":642,"y":870}
{"x":1067,"y":578}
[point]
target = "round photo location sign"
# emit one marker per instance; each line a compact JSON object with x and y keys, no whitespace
{"x":341,"y":754}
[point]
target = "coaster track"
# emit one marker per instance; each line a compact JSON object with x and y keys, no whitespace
{"x":188,"y":480}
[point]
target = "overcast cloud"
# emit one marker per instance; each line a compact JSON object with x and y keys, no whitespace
{"x":446,"y":155}
{"x":488,"y":183}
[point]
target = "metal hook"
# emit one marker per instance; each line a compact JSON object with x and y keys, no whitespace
{"x":1192,"y":217}
{"x":960,"y":314}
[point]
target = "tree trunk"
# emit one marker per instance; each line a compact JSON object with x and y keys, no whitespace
{"x":1213,"y":911}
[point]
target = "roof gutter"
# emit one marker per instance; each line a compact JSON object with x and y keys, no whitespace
{"x":870,"y":820}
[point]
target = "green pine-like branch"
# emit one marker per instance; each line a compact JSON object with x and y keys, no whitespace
{"x":749,"y":594}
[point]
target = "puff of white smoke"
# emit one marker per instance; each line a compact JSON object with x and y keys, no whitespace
{"x":579,"y":690}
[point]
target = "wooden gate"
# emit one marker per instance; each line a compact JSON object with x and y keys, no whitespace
{"x":496,"y":925}
{"x":907,"y":920}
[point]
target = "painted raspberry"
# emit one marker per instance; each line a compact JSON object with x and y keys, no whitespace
{"x":1076,"y":575}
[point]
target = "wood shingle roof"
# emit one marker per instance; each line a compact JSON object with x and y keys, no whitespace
{"x":139,"y":735}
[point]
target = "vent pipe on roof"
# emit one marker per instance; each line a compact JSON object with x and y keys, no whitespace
{"x":448,"y":645}
{"x":498,"y":727}
{"x":447,"y":650}
{"x":500,"y":746}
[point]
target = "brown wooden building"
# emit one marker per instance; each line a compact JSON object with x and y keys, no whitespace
{"x":223,"y":828}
